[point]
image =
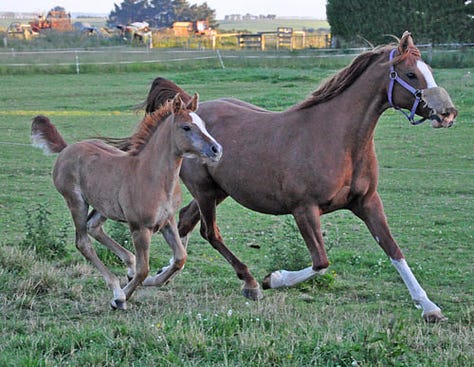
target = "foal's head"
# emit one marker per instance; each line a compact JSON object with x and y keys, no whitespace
{"x":191,"y":136}
{"x":409,"y":69}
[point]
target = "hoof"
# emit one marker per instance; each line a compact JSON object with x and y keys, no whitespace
{"x":254,"y":294}
{"x":434,"y":317}
{"x":266,"y":284}
{"x":118,"y":305}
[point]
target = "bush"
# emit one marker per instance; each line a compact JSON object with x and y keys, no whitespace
{"x":41,"y":235}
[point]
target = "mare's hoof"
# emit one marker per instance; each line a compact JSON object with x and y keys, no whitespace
{"x":118,"y":305}
{"x":254,"y":294}
{"x":434,"y":316}
{"x":266,"y":284}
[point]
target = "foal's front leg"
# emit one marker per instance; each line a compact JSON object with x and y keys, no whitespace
{"x":141,"y":239}
{"x":372,"y":213}
{"x":171,"y":235}
{"x":95,"y":228}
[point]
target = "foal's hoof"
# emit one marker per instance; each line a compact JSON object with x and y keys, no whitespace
{"x":254,"y":294}
{"x":118,"y":305}
{"x":434,"y":316}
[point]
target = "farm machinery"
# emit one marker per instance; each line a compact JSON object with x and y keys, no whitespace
{"x":57,"y":19}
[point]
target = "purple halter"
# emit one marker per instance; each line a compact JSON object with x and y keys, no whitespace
{"x":416,"y":93}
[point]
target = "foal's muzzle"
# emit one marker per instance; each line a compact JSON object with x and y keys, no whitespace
{"x":213,"y":153}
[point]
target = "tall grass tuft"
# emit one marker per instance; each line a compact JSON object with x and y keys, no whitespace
{"x":42,"y":236}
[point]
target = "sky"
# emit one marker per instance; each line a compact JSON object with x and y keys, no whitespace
{"x":293,"y":8}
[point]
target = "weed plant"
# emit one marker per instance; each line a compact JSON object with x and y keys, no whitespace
{"x":46,"y":240}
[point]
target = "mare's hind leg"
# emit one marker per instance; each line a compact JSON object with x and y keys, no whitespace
{"x":79,"y":211}
{"x":308,"y":223}
{"x":95,"y":224}
{"x":171,"y":235}
{"x":370,"y":210}
{"x":210,"y":231}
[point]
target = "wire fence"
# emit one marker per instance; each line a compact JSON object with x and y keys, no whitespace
{"x":77,"y":59}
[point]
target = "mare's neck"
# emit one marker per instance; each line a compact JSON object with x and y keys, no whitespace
{"x":360,"y":106}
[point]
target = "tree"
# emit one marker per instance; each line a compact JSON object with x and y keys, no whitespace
{"x":160,"y":13}
{"x":433,"y":21}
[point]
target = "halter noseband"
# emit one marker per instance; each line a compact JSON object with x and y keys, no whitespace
{"x":416,"y":93}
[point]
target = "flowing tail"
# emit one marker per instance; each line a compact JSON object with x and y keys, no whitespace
{"x":44,"y":135}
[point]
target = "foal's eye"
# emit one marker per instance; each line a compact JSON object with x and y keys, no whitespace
{"x":411,"y":75}
{"x":186,"y":128}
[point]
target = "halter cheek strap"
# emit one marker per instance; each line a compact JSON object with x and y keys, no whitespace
{"x":416,"y":93}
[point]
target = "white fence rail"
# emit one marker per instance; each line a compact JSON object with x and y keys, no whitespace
{"x":77,"y":58}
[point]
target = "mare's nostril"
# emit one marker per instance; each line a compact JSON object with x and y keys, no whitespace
{"x":215,"y":149}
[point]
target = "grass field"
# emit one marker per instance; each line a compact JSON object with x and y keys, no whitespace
{"x":56,"y":313}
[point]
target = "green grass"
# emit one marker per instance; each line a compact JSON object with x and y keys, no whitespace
{"x":55,"y":312}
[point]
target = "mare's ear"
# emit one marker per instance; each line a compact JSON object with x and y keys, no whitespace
{"x":193,"y":104}
{"x":406,"y":42}
{"x":178,"y":104}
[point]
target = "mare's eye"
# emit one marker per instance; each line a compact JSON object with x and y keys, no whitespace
{"x":186,"y":128}
{"x":411,"y":75}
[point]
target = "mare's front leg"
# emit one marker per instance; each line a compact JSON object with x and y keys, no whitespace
{"x":370,"y":210}
{"x":171,"y":235}
{"x":141,"y":239}
{"x":308,"y":221}
{"x":210,"y":231}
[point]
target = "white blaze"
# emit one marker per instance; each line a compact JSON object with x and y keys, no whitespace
{"x":202,"y":126}
{"x":425,"y":70}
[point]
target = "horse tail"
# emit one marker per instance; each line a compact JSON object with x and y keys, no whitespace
{"x":44,"y":135}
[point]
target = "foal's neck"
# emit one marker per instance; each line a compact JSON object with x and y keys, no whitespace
{"x":160,"y":160}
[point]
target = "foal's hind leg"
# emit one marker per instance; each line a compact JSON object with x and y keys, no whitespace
{"x":95,"y":224}
{"x":79,"y":210}
{"x":370,"y":210}
{"x":308,"y":223}
{"x":171,"y":235}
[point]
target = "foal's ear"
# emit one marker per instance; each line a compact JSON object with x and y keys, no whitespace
{"x":178,"y":104}
{"x":406,"y":43}
{"x":193,"y":103}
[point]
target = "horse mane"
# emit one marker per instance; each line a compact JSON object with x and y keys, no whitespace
{"x":161,"y":91}
{"x":407,"y":51}
{"x":146,"y":128}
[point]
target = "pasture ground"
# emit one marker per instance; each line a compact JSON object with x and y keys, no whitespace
{"x":56,"y":313}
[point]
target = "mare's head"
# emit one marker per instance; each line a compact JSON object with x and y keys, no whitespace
{"x":413,"y":87}
{"x":191,"y":136}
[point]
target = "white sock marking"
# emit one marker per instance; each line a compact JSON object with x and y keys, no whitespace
{"x":417,"y":293}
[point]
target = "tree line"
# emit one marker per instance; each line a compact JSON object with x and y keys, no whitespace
{"x":430,"y":21}
{"x":160,"y":13}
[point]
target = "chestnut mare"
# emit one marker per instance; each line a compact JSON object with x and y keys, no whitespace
{"x":139,"y":187}
{"x":314,"y":158}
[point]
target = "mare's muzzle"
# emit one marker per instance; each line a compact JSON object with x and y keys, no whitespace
{"x":442,"y":108}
